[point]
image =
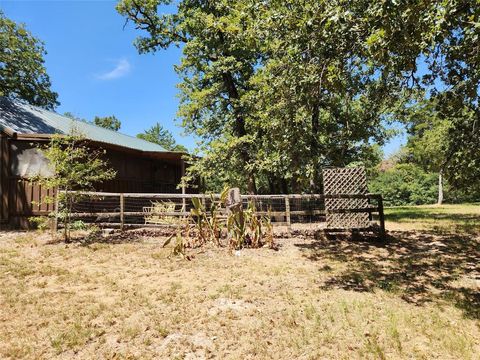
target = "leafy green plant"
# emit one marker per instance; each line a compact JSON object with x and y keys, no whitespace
{"x":244,"y":228}
{"x":248,"y":229}
{"x":208,"y":222}
{"x":179,"y":247}
{"x":40,"y":222}
{"x":268,"y":235}
{"x":79,"y":225}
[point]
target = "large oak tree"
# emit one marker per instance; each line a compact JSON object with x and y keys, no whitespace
{"x":22,"y":70}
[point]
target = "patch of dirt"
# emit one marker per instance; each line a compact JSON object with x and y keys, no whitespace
{"x":224,"y":304}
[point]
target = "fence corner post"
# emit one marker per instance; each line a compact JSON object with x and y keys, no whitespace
{"x":287,"y":214}
{"x":122,"y":211}
{"x":381,"y":216}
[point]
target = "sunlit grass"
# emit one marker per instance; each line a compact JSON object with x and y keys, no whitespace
{"x":444,"y":218}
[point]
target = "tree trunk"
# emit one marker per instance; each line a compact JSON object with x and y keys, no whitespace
{"x":440,"y":188}
{"x":239,"y":127}
{"x":314,"y":145}
{"x":284,"y":186}
{"x":271,"y":184}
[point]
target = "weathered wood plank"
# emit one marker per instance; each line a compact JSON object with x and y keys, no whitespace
{"x":350,"y":211}
{"x":122,"y":211}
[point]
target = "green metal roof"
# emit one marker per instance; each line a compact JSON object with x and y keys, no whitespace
{"x":27,"y":119}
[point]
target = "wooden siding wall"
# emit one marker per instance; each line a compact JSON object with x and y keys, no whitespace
{"x":20,"y":199}
{"x":27,"y":199}
{"x":4,"y":176}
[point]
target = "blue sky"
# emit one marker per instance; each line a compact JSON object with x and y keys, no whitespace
{"x":96,"y":70}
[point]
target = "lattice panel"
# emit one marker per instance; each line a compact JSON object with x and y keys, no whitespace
{"x":345,"y":181}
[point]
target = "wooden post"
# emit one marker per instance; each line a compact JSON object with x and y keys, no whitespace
{"x":55,"y":213}
{"x":5,"y":190}
{"x":122,"y":211}
{"x":184,"y":202}
{"x":287,"y":214}
{"x":381,"y":218}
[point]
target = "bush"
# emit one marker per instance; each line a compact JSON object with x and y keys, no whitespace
{"x":41,"y":223}
{"x":406,"y":184}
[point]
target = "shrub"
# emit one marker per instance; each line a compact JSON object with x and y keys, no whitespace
{"x":41,"y":223}
{"x":406,"y":184}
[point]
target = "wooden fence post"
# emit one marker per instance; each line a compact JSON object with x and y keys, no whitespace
{"x":381,"y":216}
{"x":122,"y":211}
{"x":55,"y":213}
{"x":287,"y":214}
{"x":184,"y":202}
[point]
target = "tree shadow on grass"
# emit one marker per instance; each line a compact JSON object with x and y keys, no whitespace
{"x":424,"y":215}
{"x":419,"y":266}
{"x":118,"y":237}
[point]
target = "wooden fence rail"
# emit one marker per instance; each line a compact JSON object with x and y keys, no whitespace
{"x":284,"y":200}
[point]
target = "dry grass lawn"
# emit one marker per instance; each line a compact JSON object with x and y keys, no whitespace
{"x":416,"y":296}
{"x":449,"y":218}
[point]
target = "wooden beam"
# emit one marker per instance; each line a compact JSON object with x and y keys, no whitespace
{"x":381,"y":218}
{"x":184,"y":203}
{"x":55,"y":212}
{"x":350,"y":211}
{"x":5,"y":157}
{"x":122,"y":211}
{"x":287,"y":214}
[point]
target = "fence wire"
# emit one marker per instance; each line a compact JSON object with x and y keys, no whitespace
{"x":296,"y":212}
{"x":170,"y":209}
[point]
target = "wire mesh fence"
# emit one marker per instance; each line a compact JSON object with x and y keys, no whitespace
{"x":159,"y":210}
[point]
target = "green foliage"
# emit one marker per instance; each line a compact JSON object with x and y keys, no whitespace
{"x":158,"y":135}
{"x":179,"y":247}
{"x":207,"y":221}
{"x":247,"y":229}
{"x":243,"y":228}
{"x":22,"y":71}
{"x":218,"y":59}
{"x":446,"y":40}
{"x":429,"y":137}
{"x":79,"y":225}
{"x":405,"y":184}
{"x":108,"y":122}
{"x":41,"y":223}
{"x":75,"y":168}
{"x":73,"y":116}
{"x":275,"y":90}
{"x":269,"y":102}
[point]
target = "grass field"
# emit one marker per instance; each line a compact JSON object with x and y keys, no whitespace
{"x":415,"y":296}
{"x":459,"y":218}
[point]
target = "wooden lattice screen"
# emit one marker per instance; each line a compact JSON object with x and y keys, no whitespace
{"x":345,"y":181}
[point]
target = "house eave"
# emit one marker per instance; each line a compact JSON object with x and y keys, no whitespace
{"x":170,"y":155}
{"x":8,"y":131}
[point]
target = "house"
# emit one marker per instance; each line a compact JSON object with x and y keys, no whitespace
{"x":141,"y":166}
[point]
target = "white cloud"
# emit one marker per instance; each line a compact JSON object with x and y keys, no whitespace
{"x":121,"y":69}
